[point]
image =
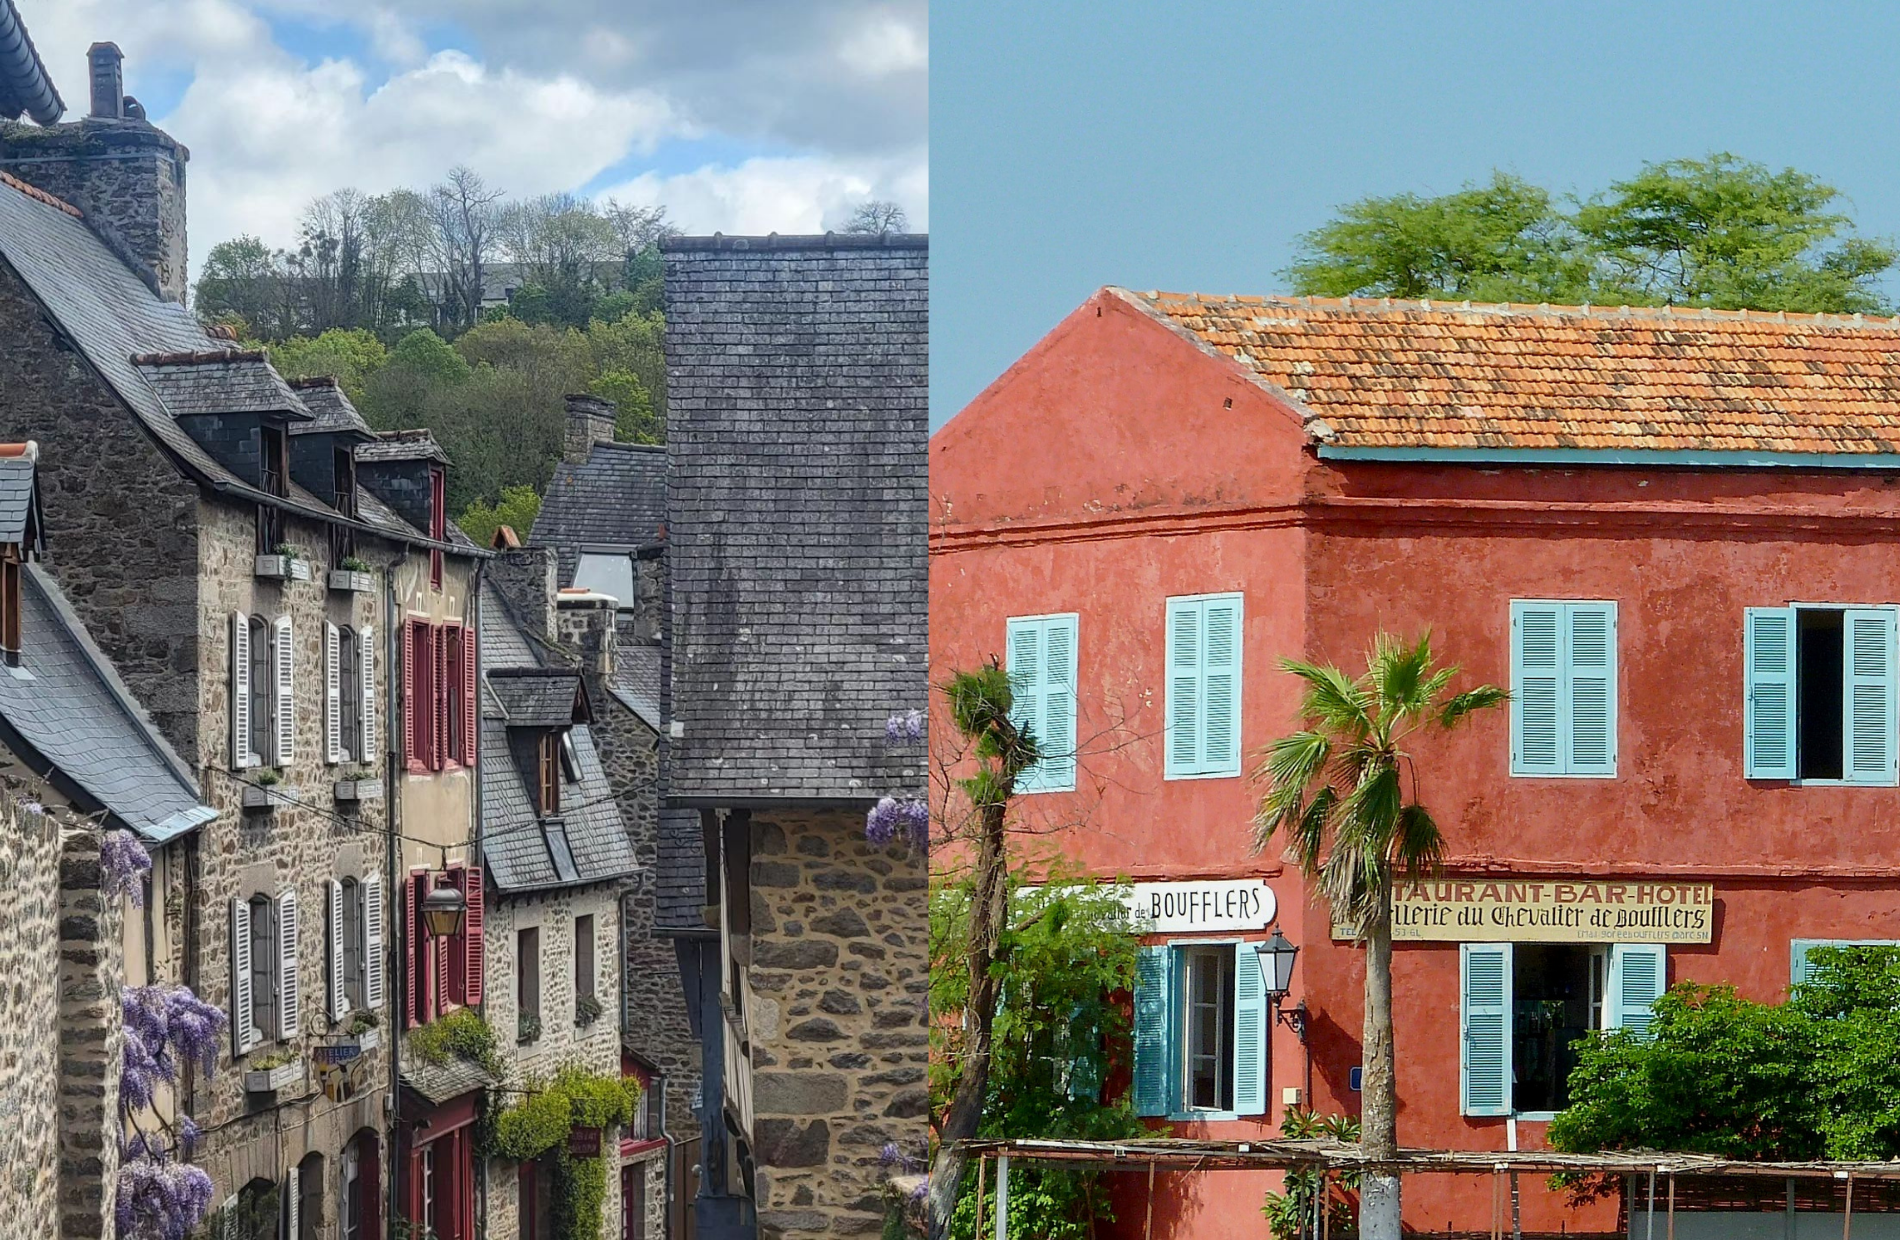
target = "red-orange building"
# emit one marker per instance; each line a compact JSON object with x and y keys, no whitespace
{"x":1670,"y":533}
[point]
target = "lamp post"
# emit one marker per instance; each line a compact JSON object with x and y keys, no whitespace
{"x":444,"y":908}
{"x":1276,"y":968}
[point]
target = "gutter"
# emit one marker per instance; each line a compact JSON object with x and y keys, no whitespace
{"x":20,"y":64}
{"x":392,"y":652}
{"x":475,"y":861}
{"x":1693,"y":458}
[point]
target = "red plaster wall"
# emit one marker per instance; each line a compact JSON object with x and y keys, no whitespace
{"x":1107,"y":471}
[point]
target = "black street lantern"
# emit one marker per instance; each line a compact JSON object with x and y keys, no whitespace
{"x":444,"y":908}
{"x":1276,"y":965}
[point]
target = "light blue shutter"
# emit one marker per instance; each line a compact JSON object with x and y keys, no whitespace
{"x":1220,"y":686}
{"x":1870,"y":696}
{"x":1058,"y":702}
{"x":1801,"y":967}
{"x":1154,"y":1009}
{"x":1025,"y":687}
{"x":1536,"y":681}
{"x":1590,"y":688}
{"x":1485,"y":1067}
{"x":1252,"y":1024}
{"x":1768,"y":671}
{"x":1637,"y":979}
{"x":1184,"y":687}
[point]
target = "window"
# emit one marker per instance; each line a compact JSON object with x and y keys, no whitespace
{"x":273,"y":479}
{"x":10,"y":604}
{"x":262,"y":679}
{"x":1526,"y":1005}
{"x":356,"y":945}
{"x":548,"y":768}
{"x":1801,"y":968}
{"x":349,"y":707}
{"x":351,"y":1214}
{"x":419,"y":705}
{"x":426,"y":1189}
{"x":306,"y":1199}
{"x":354,"y":948}
{"x":455,"y":692}
{"x":1042,"y":663}
{"x":528,"y":982}
{"x":1563,"y":688}
{"x":360,"y":1212}
{"x":609,"y":573}
{"x":583,"y":956}
{"x":438,"y":522}
{"x":1202,"y":1029}
{"x":263,"y":971}
{"x":1203,"y":677}
{"x":344,"y":470}
{"x":1820,"y":694}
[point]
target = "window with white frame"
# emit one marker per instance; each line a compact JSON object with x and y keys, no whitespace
{"x":609,"y":573}
{"x":1042,"y":675}
{"x":265,"y":993}
{"x":1202,"y":1030}
{"x":1563,"y":688}
{"x":1203,"y":679}
{"x":1801,"y":962}
{"x":1820,"y":694}
{"x":1525,"y":1006}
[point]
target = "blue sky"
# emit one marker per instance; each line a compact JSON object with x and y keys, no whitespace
{"x":1186,"y":146}
{"x":736,"y":115}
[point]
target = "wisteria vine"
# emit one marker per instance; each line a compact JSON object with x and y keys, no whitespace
{"x":161,"y":1196}
{"x":898,"y":817}
{"x":125,"y":863}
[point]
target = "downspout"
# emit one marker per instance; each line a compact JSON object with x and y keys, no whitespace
{"x":392,"y":753}
{"x":475,"y":847}
{"x":669,"y":1189}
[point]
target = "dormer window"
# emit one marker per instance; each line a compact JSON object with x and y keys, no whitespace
{"x":344,"y":471}
{"x":548,"y":768}
{"x":438,"y":521}
{"x":10,"y":604}
{"x":273,"y":479}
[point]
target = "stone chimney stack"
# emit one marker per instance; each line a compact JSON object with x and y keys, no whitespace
{"x":126,"y":177}
{"x":108,"y":81}
{"x":586,"y":627}
{"x":590,"y":420}
{"x":524,"y":576}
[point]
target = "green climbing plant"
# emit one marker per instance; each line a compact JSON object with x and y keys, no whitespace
{"x":537,"y":1126}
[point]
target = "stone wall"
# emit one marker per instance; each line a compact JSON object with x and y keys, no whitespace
{"x":30,"y":1105}
{"x":91,"y":1039}
{"x":839,"y":1002}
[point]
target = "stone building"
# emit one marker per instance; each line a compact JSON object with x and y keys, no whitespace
{"x":796,"y":629}
{"x":557,"y":858}
{"x":206,"y":525}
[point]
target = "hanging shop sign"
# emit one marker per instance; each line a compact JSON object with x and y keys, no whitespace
{"x":1464,"y":910}
{"x":583,"y":1142}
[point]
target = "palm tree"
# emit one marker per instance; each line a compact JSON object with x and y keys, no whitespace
{"x":1338,"y":790}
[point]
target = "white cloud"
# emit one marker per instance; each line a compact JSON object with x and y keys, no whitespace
{"x":885,"y":44}
{"x":797,"y":194}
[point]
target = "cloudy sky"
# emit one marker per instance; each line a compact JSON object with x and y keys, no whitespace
{"x":738,"y":115}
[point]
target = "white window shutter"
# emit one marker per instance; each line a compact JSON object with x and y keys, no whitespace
{"x":1253,"y":1023}
{"x":1183,"y":724}
{"x":288,"y":1023}
{"x":227,"y":1219}
{"x":243,"y":1035}
{"x":332,"y":694}
{"x":1870,"y":695}
{"x":373,"y":942}
{"x":1025,"y":688}
{"x":1156,"y":1079}
{"x":1638,"y":977}
{"x":366,"y":639}
{"x":1058,"y":702}
{"x":285,"y":697}
{"x":1536,"y":679}
{"x":241,"y":755}
{"x":1768,"y":717}
{"x":291,"y":1205}
{"x":1485,"y":994}
{"x":1220,"y":686}
{"x":1590,"y":688}
{"x":339,"y":994}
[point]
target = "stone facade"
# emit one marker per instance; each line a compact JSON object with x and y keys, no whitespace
{"x":30,"y":1108}
{"x":838,"y":1019}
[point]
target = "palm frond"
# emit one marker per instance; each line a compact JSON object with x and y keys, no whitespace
{"x":1332,"y":701}
{"x":1419,"y":848}
{"x":1308,"y":832}
{"x":1290,"y":768}
{"x":1398,"y":673}
{"x":1484,"y":697}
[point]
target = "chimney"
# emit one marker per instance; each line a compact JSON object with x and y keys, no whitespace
{"x":524,"y":576}
{"x":590,"y":420}
{"x":126,"y":177}
{"x":586,"y":627}
{"x":108,"y":81}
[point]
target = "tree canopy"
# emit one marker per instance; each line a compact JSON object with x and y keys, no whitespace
{"x":1722,"y":232}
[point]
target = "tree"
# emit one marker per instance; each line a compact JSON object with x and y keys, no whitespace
{"x":348,"y":356}
{"x":461,"y":237}
{"x":244,"y":277}
{"x":634,"y":420}
{"x":517,"y":509}
{"x":1337,"y":790}
{"x":878,"y":218}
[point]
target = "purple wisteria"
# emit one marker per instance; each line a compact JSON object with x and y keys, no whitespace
{"x":898,"y":817}
{"x":162,"y":1197}
{"x":904,"y":729}
{"x":125,"y":864}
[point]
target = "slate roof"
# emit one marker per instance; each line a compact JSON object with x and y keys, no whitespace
{"x":111,"y":316}
{"x":19,"y":502}
{"x":537,"y":697}
{"x":67,"y":705}
{"x":796,"y":514}
{"x":1448,"y":375}
{"x":681,"y":882}
{"x":26,"y":89}
{"x":451,"y":1078}
{"x":587,"y":842}
{"x":330,"y":408}
{"x":636,"y":684}
{"x":412,"y":445}
{"x":616,"y":498}
{"x":219,"y":382}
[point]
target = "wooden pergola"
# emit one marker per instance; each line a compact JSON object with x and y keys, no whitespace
{"x":1660,"y":1170}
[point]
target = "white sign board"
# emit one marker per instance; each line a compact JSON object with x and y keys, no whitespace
{"x":1199,"y":907}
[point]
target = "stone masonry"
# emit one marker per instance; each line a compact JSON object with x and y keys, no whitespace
{"x":839,"y":987}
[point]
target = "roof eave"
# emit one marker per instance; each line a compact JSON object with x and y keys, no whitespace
{"x":1649,"y":457}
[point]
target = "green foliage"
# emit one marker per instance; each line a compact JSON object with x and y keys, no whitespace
{"x":350,"y":356}
{"x":1290,"y":1214}
{"x":1722,"y":232}
{"x":537,"y":1126}
{"x":1067,"y":966}
{"x":980,"y":703}
{"x":634,"y":421}
{"x":518,"y":508}
{"x":430,"y":356}
{"x":1814,"y":1077}
{"x":462,"y":1034}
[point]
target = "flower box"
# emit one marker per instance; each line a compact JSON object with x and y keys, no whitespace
{"x":350,"y":581}
{"x":264,"y":797}
{"x":274,"y":1080}
{"x":359,"y":789}
{"x":282,"y":568}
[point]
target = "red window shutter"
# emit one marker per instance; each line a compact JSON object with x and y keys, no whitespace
{"x":469,"y":690}
{"x":411,"y":956}
{"x":412,"y":703}
{"x":440,"y":739}
{"x":412,"y":1197}
{"x":439,"y":992}
{"x":472,"y":970}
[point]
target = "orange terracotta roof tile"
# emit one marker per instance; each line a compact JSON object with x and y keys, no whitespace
{"x":1411,"y":374}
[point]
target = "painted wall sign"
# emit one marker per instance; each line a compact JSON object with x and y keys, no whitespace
{"x":1463,"y":910}
{"x":1192,"y":907}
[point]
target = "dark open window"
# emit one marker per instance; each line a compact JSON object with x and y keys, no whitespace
{"x":548,"y":769}
{"x":274,"y":479}
{"x":263,"y":693}
{"x":1821,"y":645}
{"x":438,"y":521}
{"x":1557,"y":992}
{"x":10,"y":604}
